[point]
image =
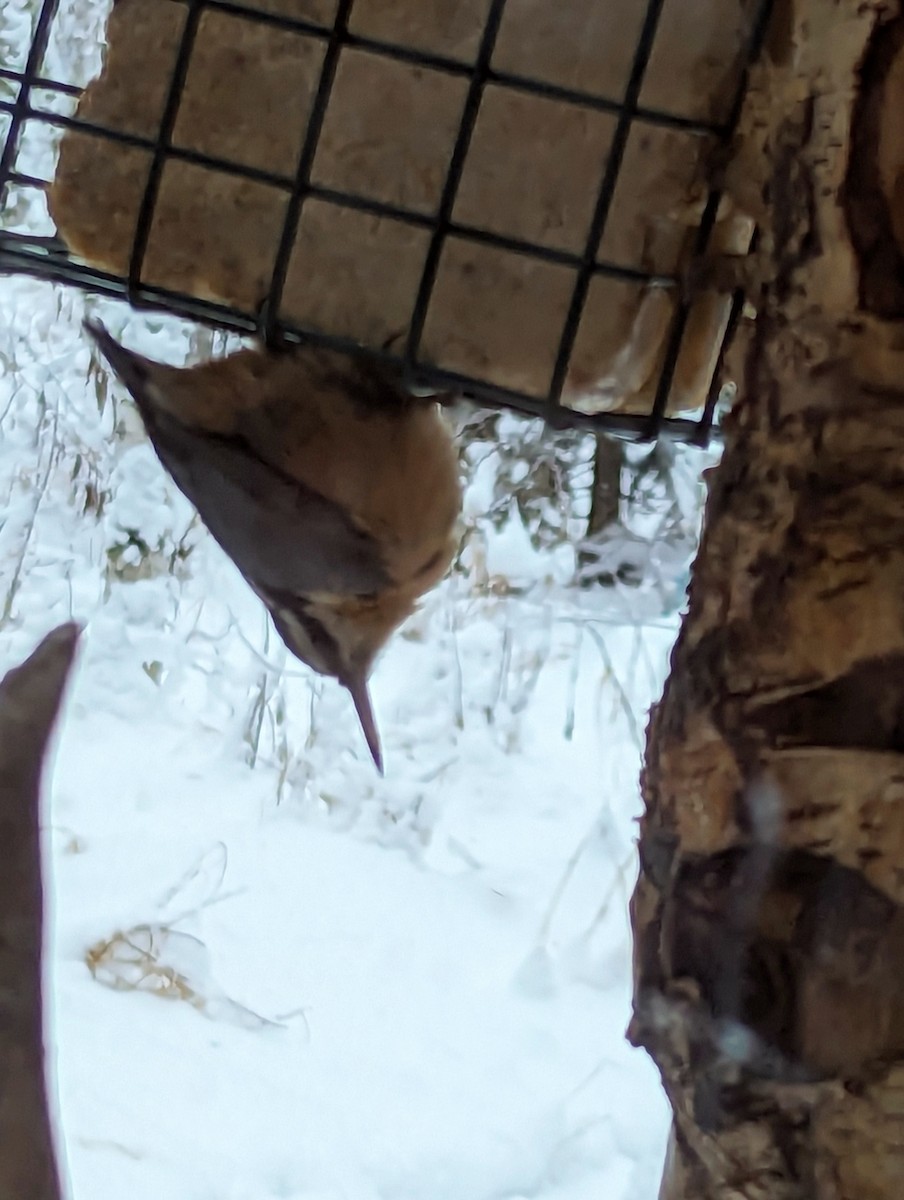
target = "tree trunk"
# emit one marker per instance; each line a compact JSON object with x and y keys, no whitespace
{"x":769,"y":912}
{"x":605,"y":508}
{"x":29,"y":700}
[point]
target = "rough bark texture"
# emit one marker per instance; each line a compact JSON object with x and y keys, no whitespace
{"x":769,"y":913}
{"x":29,"y":700}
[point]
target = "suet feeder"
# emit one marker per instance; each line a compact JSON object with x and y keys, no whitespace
{"x":503,"y":198}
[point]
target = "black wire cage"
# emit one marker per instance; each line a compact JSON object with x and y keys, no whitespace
{"x":28,"y":95}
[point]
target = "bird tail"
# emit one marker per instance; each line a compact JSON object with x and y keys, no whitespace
{"x":131,"y":368}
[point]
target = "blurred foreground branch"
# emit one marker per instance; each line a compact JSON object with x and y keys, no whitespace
{"x":29,"y":702}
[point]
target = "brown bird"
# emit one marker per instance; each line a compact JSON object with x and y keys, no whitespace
{"x":333,"y":490}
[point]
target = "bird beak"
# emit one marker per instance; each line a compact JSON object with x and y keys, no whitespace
{"x":361,"y":698}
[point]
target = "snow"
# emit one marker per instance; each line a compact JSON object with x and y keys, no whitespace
{"x":273,"y":975}
{"x":443,"y":1024}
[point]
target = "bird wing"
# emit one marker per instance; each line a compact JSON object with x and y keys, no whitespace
{"x":282,"y":534}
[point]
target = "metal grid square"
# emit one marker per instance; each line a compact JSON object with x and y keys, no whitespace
{"x":46,"y":257}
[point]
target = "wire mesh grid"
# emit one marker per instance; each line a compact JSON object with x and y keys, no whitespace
{"x":47,"y":257}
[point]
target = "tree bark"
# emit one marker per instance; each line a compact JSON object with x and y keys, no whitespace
{"x":769,"y":911}
{"x":29,"y":701}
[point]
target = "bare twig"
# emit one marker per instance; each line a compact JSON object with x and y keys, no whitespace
{"x":39,"y":494}
{"x":623,"y":698}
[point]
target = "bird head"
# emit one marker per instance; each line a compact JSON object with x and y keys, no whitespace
{"x":341,"y":637}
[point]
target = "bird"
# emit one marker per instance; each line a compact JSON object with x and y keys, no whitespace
{"x":334,"y":491}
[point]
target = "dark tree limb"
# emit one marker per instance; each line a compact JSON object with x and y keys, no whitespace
{"x":605,"y":506}
{"x":29,"y":702}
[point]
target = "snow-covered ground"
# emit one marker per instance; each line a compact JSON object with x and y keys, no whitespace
{"x":273,"y":974}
